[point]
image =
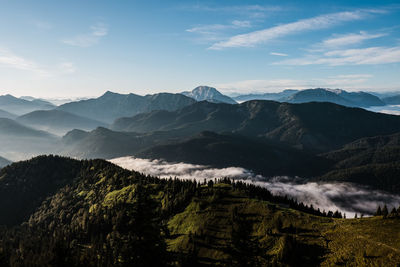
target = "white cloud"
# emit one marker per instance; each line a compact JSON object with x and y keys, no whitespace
{"x":10,"y":60}
{"x":349,"y":39}
{"x":98,"y":31}
{"x":345,"y":197}
{"x":278,"y":54}
{"x":214,"y":32}
{"x":241,"y":23}
{"x":262,"y":36}
{"x":361,"y":56}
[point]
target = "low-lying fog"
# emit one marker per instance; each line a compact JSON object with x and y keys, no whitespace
{"x":388,"y":109}
{"x":345,"y":197}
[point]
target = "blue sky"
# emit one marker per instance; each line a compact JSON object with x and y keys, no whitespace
{"x":83,"y":48}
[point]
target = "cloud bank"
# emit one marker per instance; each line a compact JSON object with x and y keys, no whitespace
{"x":345,"y":197}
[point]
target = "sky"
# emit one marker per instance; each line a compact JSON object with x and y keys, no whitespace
{"x":74,"y":48}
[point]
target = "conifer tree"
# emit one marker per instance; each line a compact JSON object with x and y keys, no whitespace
{"x":385,"y":211}
{"x":378,"y":211}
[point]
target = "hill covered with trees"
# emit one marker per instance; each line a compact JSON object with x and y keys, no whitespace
{"x":94,"y":213}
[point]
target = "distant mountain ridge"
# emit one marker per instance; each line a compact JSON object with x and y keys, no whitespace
{"x":266,"y":96}
{"x":58,"y":121}
{"x":337,"y":96}
{"x":20,"y":106}
{"x":111,"y":106}
{"x":392,"y":100}
{"x":4,"y":162}
{"x":210,"y":94}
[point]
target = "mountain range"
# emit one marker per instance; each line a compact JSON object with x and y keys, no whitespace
{"x":340,"y":97}
{"x":111,"y":106}
{"x":337,"y":96}
{"x":20,"y":106}
{"x":266,"y":96}
{"x":314,"y":126}
{"x":210,"y":94}
{"x":268,"y":137}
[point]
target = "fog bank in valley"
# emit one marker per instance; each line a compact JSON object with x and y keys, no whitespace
{"x":345,"y":197}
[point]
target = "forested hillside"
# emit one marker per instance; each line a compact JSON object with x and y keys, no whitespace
{"x":93,"y":213}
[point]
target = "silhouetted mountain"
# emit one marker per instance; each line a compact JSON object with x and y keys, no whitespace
{"x":20,"y":106}
{"x":4,"y":162}
{"x":392,"y":100}
{"x":7,"y":115}
{"x":58,"y":121}
{"x":210,"y":94}
{"x":337,"y":96}
{"x":316,"y":126}
{"x":260,"y":156}
{"x":111,"y":106}
{"x":266,"y":96}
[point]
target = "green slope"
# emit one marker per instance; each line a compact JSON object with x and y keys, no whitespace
{"x":94,"y":213}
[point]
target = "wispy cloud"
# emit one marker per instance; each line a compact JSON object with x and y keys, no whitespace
{"x":213,"y":32}
{"x":320,"y":22}
{"x":251,"y":11}
{"x":349,"y":39}
{"x":11,"y":60}
{"x":98,"y":31}
{"x":278,"y":54}
{"x":360,"y":56}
